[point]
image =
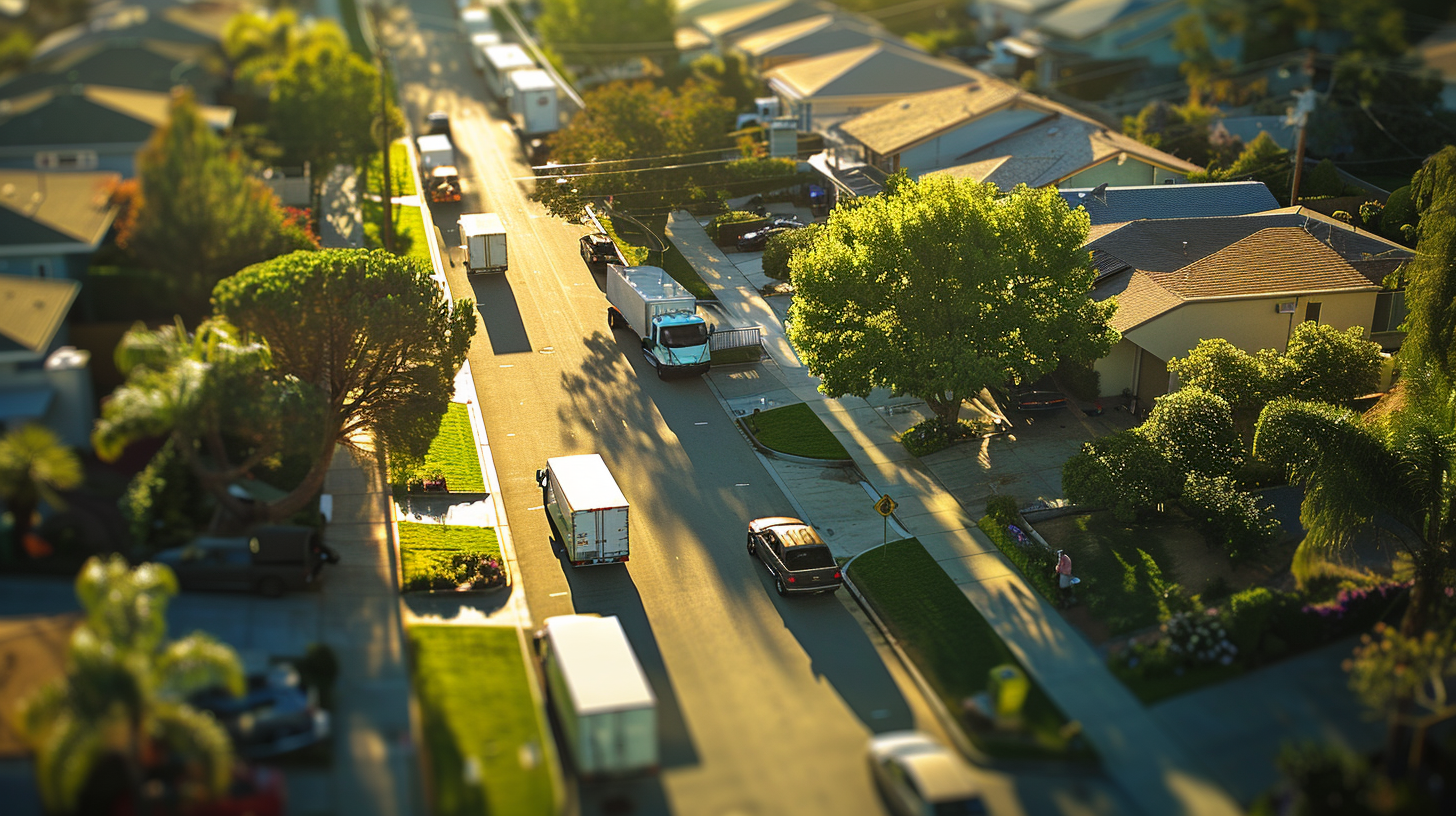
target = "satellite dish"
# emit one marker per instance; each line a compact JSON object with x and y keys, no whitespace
{"x":1100,"y":192}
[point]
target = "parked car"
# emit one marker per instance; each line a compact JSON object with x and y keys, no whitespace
{"x":598,"y":250}
{"x":274,"y":716}
{"x":920,"y":777}
{"x":1039,"y":400}
{"x":754,"y":241}
{"x":437,"y":122}
{"x":268,"y":560}
{"x":795,"y":555}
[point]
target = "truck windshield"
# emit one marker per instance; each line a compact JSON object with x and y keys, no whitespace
{"x":692,"y":334}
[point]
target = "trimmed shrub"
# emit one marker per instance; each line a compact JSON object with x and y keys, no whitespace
{"x":1123,"y":472}
{"x":1081,"y":380}
{"x":1400,"y":210}
{"x":477,"y":570}
{"x":1247,"y":617}
{"x":935,"y":434}
{"x":1357,"y":609}
{"x":1196,"y":429}
{"x":727,"y":227}
{"x":780,"y":248}
{"x":1038,"y":566}
{"x":1198,"y":639}
{"x":1002,"y":509}
{"x":1231,"y":517}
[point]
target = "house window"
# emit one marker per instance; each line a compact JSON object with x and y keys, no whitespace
{"x":1311,"y":311}
{"x":1390,"y":312}
{"x":66,"y":160}
{"x":42,"y":269}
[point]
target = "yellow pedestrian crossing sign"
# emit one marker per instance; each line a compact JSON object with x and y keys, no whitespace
{"x":886,"y":505}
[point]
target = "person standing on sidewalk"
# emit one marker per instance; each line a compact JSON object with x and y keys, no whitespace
{"x":1064,"y":577}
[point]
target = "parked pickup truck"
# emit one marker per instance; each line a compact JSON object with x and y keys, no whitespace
{"x":795,"y":555}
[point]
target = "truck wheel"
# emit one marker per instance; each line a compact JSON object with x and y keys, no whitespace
{"x":752,"y":548}
{"x":612,"y":319}
{"x":270,"y":586}
{"x":779,"y":585}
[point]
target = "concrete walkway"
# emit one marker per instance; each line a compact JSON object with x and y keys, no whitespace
{"x":1155,"y":771}
{"x":341,"y":224}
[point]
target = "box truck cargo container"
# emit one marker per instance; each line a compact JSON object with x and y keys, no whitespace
{"x":436,"y":150}
{"x":601,"y":697}
{"x":500,"y":62}
{"x":533,"y":103}
{"x":484,"y":238}
{"x":586,"y":509}
{"x":664,"y":316}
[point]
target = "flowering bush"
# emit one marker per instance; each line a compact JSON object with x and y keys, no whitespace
{"x":463,"y":571}
{"x":935,"y":434}
{"x":1359,"y":608}
{"x":1196,"y":639}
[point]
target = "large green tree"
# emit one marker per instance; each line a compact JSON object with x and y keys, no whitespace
{"x":196,"y":213}
{"x":370,"y":331}
{"x":942,"y":287}
{"x":34,"y":467}
{"x":1430,"y":293}
{"x":324,"y":105}
{"x":601,"y":33}
{"x":125,"y":688}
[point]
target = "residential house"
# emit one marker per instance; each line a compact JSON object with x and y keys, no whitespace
{"x":143,"y":66}
{"x":689,"y":10}
{"x":87,"y":127}
{"x":1001,"y":18}
{"x":728,"y":27}
{"x":1111,"y":206}
{"x":991,"y":130}
{"x":811,"y":37}
{"x":1248,"y":279}
{"x":822,"y":91}
{"x":50,"y":224}
{"x":187,"y":24}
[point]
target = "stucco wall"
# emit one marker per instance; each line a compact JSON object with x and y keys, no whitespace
{"x":1130,"y":173}
{"x":943,"y":150}
{"x":1117,"y":368}
{"x":1249,"y":324}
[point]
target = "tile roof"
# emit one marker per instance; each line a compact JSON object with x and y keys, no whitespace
{"x":876,"y":69}
{"x":899,"y":125}
{"x":1272,"y":261}
{"x":1119,"y":204}
{"x":1052,"y":150}
{"x":54,"y":207}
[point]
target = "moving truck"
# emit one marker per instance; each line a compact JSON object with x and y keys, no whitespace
{"x":600,"y":694}
{"x":436,"y":150}
{"x":533,"y":103}
{"x":500,"y":62}
{"x":484,"y":238}
{"x":586,"y":509}
{"x":664,"y":316}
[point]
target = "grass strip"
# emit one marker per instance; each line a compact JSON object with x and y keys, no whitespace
{"x":452,"y":453}
{"x":1035,"y":566}
{"x":954,"y":647}
{"x":480,"y":723}
{"x":425,"y":550}
{"x":797,"y":430}
{"x":636,"y":245}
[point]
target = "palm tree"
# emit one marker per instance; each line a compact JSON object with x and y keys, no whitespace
{"x":124,"y":690}
{"x":34,"y":467}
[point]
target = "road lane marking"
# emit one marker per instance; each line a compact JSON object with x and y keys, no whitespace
{"x":556,"y":594}
{"x":700,"y":423}
{"x":537,"y":507}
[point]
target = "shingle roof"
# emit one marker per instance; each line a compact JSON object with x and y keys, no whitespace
{"x":95,"y":115}
{"x":152,"y":66}
{"x":746,"y":20}
{"x":1272,"y":261}
{"x":1116,"y":204}
{"x":815,"y":36}
{"x":40,"y":207}
{"x":133,"y":23}
{"x":1052,"y":150}
{"x":31,"y":309}
{"x":877,"y":69}
{"x":894,"y":127}
{"x":1083,"y":18}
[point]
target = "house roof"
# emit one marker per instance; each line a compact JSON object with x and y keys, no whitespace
{"x":1054,"y":149}
{"x":815,"y":36}
{"x":693,"y":9}
{"x":746,"y":20}
{"x":1024,"y":6}
{"x":690,"y":38}
{"x":92,"y":114}
{"x":1118,"y":204}
{"x":1248,"y":128}
{"x":31,"y":309}
{"x":1273,"y":261}
{"x":148,"y":66}
{"x":200,"y":26}
{"x":1438,"y":52}
{"x":1083,"y":18}
{"x":40,"y":207}
{"x":901,"y":124}
{"x":877,"y":69}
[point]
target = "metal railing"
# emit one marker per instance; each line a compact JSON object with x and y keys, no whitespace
{"x":724,"y":339}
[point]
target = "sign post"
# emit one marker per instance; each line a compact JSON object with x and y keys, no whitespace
{"x":885,"y":506}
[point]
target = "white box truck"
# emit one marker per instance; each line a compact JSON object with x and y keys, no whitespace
{"x":478,"y":44}
{"x":500,"y":62}
{"x":533,"y":103}
{"x":585,"y":508}
{"x":483,"y":237}
{"x":436,"y":150}
{"x":600,"y":694}
{"x":664,"y":316}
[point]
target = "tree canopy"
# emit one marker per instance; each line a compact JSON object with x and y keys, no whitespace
{"x":34,"y":467}
{"x":941,"y":287}
{"x":606,"y":32}
{"x":370,"y":331}
{"x":1431,"y":275}
{"x":324,"y":103}
{"x":197,"y":215}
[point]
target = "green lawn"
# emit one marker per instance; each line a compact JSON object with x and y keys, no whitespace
{"x":952,"y":644}
{"x":426,"y":551}
{"x":409,"y":224}
{"x":1123,"y":583}
{"x":453,"y":452}
{"x":635,"y":247}
{"x":477,"y":712}
{"x":796,"y":430}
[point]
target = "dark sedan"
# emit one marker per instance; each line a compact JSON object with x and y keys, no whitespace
{"x":267,"y":560}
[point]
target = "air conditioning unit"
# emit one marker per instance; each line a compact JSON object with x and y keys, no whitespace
{"x":1287,"y":307}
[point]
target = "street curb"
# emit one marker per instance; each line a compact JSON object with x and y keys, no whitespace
{"x":951,"y":726}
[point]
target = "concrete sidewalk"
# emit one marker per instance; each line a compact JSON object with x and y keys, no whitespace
{"x":1152,"y":768}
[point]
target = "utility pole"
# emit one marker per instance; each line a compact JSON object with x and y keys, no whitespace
{"x":1299,"y":116}
{"x":386,"y":229}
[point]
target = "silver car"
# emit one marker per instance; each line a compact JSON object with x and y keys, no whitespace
{"x":921,"y":777}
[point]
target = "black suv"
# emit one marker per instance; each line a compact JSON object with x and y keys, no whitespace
{"x":794,"y":554}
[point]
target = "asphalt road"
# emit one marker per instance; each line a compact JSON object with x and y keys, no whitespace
{"x":765,"y":703}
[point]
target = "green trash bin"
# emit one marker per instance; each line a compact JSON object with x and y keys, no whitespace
{"x":1008,"y":688}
